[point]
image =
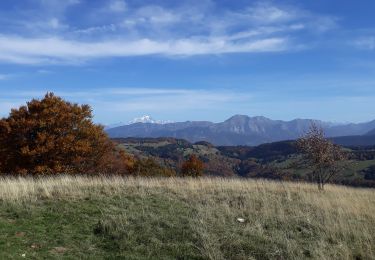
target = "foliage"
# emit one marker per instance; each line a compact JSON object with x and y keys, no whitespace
{"x":52,"y":136}
{"x":370,"y":173}
{"x":265,"y":152}
{"x":150,"y":168}
{"x":362,"y":154}
{"x":116,"y":162}
{"x":322,"y":155}
{"x":193,"y":167}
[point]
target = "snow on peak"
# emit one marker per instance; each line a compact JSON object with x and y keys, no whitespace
{"x":148,"y":119}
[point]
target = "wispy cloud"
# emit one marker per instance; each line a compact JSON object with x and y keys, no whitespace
{"x":56,"y":50}
{"x":366,"y":43}
{"x":57,"y":6}
{"x":132,"y":93}
{"x":117,"y":6}
{"x":135,"y":101}
{"x":182,"y":30}
{"x":3,"y":76}
{"x":126,"y":103}
{"x":265,"y":13}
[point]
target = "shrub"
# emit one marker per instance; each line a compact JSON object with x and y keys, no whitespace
{"x":150,"y":168}
{"x":193,"y":167}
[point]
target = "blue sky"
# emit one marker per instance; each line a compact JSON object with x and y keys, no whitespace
{"x":192,"y":60}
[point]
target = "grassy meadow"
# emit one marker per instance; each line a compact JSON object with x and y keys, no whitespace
{"x":174,"y":218}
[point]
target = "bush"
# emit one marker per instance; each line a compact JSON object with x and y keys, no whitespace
{"x":193,"y":167}
{"x":150,"y":168}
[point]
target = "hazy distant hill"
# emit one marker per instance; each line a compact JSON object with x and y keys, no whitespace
{"x":355,"y":140}
{"x":237,"y":130}
{"x":372,"y":132}
{"x":351,"y":129}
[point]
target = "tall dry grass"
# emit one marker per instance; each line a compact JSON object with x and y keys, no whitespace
{"x":282,"y":220}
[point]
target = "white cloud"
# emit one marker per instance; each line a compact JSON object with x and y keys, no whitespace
{"x":44,"y":71}
{"x":367,"y":43}
{"x":52,"y":24}
{"x":50,"y":50}
{"x":165,"y":99}
{"x":55,"y":23}
{"x":97,"y":29}
{"x":112,"y":104}
{"x":117,"y":6}
{"x":324,"y":23}
{"x":153,"y":15}
{"x":265,"y":13}
{"x":119,"y":100}
{"x":58,"y":5}
{"x":3,"y":76}
{"x":156,"y":30}
{"x":22,"y":59}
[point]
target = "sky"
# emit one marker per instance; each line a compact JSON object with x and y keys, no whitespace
{"x":193,"y":59}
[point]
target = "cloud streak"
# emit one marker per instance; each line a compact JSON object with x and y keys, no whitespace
{"x":366,"y":43}
{"x":56,"y":50}
{"x":125,"y":103}
{"x":183,"y":30}
{"x":135,"y":101}
{"x":3,"y":76}
{"x":117,"y":6}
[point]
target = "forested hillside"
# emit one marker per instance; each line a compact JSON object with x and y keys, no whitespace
{"x":279,"y":160}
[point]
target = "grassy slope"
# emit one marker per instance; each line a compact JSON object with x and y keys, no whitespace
{"x":183,"y":219}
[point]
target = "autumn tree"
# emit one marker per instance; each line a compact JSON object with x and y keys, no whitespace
{"x":325,"y":158}
{"x":4,"y":131}
{"x":116,"y":162}
{"x":51,"y":136}
{"x":193,"y":167}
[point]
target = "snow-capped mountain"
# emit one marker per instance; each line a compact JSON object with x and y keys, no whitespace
{"x":148,"y":119}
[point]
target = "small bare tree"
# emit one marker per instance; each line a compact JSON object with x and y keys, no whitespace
{"x":325,"y":158}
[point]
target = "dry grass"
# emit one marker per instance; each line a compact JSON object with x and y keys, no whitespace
{"x":282,"y":220}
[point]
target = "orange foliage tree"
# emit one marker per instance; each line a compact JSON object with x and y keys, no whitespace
{"x":51,"y":136}
{"x":193,"y":167}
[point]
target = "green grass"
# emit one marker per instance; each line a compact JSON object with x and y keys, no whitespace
{"x":99,"y":218}
{"x":106,"y":227}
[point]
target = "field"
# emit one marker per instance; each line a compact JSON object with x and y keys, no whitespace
{"x":175,"y":218}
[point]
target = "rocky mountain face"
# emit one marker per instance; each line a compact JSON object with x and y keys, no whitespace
{"x":237,"y":130}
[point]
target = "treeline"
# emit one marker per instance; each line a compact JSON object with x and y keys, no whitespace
{"x":52,"y":136}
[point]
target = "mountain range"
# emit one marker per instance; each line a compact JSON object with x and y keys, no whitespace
{"x":241,"y":130}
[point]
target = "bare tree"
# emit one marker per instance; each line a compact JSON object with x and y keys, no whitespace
{"x":325,"y":158}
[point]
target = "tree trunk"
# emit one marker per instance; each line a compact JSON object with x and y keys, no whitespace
{"x":320,"y":180}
